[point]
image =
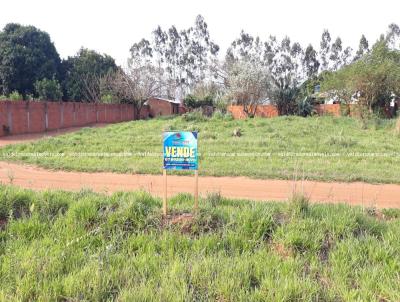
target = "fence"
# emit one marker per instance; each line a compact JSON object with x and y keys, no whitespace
{"x":18,"y":117}
{"x":271,"y":111}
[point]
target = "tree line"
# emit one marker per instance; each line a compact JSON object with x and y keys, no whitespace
{"x":186,"y":64}
{"x":30,"y":67}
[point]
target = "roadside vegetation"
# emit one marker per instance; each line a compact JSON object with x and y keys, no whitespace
{"x":319,"y":148}
{"x":63,"y":246}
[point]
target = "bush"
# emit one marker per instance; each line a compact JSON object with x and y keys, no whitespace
{"x":345,"y":110}
{"x":193,"y":102}
{"x":48,"y":89}
{"x":305,"y":107}
{"x":194,"y":116}
{"x":221,"y":104}
{"x":108,"y":99}
{"x":15,"y":96}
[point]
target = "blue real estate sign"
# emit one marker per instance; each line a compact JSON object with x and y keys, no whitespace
{"x":180,"y":150}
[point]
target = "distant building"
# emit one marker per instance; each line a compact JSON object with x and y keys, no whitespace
{"x":163,"y":107}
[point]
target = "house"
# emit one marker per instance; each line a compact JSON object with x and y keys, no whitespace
{"x":157,"y":106}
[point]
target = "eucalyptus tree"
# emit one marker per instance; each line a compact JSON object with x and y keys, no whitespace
{"x":285,"y":61}
{"x":246,"y":47}
{"x":393,"y":36}
{"x":181,"y":58}
{"x":310,"y":62}
{"x":363,"y":48}
{"x":324,"y":49}
{"x":333,"y":55}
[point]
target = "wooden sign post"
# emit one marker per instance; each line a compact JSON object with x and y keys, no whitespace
{"x":196,"y":190}
{"x":165,"y":204}
{"x":180,"y":153}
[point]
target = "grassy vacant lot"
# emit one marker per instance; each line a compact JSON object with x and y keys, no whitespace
{"x":223,"y":154}
{"x":61,"y":246}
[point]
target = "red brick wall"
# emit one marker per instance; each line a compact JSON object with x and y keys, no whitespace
{"x":159,"y":107}
{"x":331,"y":109}
{"x":271,"y":111}
{"x":261,"y":111}
{"x":36,"y":117}
{"x":29,"y":117}
{"x":3,"y":118}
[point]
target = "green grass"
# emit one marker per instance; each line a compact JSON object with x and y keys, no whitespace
{"x":223,"y":154}
{"x":63,"y":246}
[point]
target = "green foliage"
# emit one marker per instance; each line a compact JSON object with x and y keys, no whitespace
{"x":48,"y":90}
{"x":26,"y":55}
{"x":194,"y":116}
{"x":299,"y":204}
{"x":285,"y":100}
{"x":80,"y":70}
{"x":193,"y":102}
{"x":305,"y":107}
{"x":84,"y":246}
{"x":334,"y":148}
{"x":108,"y":99}
{"x":15,"y":96}
{"x":376,"y":76}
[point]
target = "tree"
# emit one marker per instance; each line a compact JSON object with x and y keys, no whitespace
{"x":363,"y":48}
{"x":248,"y":85}
{"x":393,"y":36}
{"x":182,"y":59}
{"x":333,"y":56}
{"x":48,"y":90}
{"x":339,"y":57}
{"x":310,"y":62}
{"x":26,"y":56}
{"x":285,"y":65}
{"x":246,"y":47}
{"x":134,"y":85}
{"x":373,"y":78}
{"x":325,"y":48}
{"x":82,"y":73}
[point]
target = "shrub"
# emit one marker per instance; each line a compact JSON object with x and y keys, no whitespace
{"x":15,"y":96}
{"x":48,"y":89}
{"x":194,"y":116}
{"x":221,"y":104}
{"x":193,"y":102}
{"x":108,"y":99}
{"x":344,"y":109}
{"x":305,"y":107}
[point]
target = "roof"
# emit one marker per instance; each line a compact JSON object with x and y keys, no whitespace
{"x":166,"y":100}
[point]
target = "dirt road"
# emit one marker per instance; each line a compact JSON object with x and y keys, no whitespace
{"x":25,"y":138}
{"x":382,"y":196}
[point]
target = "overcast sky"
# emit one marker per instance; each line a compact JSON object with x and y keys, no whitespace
{"x":113,"y":26}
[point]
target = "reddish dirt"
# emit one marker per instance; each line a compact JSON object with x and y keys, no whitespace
{"x":369,"y":195}
{"x":25,"y":138}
